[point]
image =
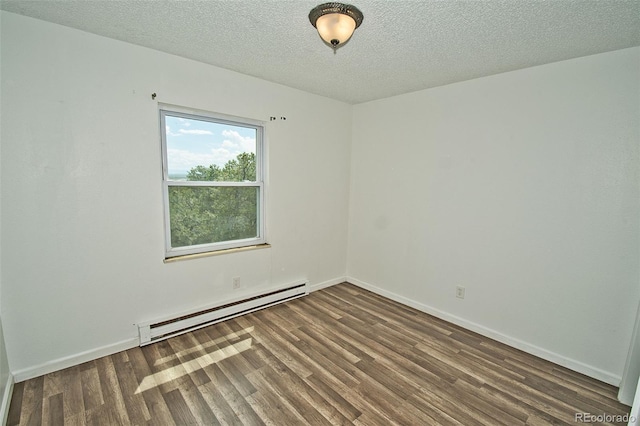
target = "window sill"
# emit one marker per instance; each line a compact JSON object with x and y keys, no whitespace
{"x":216,"y":253}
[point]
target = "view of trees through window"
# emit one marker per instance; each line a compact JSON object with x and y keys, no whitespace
{"x":202,"y":215}
{"x":212,"y":180}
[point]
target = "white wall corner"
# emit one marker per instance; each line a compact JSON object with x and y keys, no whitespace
{"x":6,"y":399}
{"x":325,"y":284}
{"x":529,"y":348}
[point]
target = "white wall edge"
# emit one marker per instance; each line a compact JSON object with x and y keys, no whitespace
{"x":561,"y":360}
{"x":634,"y":414}
{"x":73,"y":360}
{"x":630,"y":382}
{"x":6,"y":400}
{"x":325,"y":284}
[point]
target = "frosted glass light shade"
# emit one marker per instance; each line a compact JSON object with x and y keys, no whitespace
{"x":335,"y":28}
{"x":335,"y":22}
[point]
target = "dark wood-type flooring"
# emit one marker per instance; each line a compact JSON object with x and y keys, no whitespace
{"x":341,"y":355}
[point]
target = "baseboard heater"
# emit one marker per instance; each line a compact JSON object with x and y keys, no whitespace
{"x":151,"y":332}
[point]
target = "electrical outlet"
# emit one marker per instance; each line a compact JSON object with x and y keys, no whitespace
{"x":460,"y":292}
{"x":236,"y":283}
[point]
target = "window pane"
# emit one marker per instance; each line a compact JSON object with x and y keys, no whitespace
{"x":201,"y":150}
{"x":204,"y":215}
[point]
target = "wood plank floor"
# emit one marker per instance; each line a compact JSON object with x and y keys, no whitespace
{"x":339,"y":356}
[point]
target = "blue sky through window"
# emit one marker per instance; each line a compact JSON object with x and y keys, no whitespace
{"x":192,"y":143}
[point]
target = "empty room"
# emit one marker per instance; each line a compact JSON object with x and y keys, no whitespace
{"x":296,"y":212}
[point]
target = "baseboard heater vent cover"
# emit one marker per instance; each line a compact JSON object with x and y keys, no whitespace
{"x":151,"y":332}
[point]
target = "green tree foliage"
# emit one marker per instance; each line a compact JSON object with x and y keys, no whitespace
{"x":241,"y":169}
{"x":205,"y":214}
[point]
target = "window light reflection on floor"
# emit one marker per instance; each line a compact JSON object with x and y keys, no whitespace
{"x":200,"y":347}
{"x":177,"y":371}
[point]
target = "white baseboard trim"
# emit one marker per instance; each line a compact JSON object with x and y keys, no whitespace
{"x":6,"y":400}
{"x":561,"y":360}
{"x":325,"y":284}
{"x":72,"y":360}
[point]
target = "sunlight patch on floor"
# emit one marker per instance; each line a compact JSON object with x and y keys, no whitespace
{"x":223,"y":339}
{"x":175,"y":372}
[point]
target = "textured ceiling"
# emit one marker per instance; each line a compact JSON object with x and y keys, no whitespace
{"x":402,"y":46}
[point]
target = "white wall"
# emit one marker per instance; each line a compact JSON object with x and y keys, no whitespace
{"x":631,"y":372}
{"x":5,"y":377}
{"x":634,"y":414}
{"x":6,"y":381}
{"x":522,"y":187}
{"x":82,"y":240}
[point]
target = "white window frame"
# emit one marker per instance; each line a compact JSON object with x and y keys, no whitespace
{"x":259,"y":126}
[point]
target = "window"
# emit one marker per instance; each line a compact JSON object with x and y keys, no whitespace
{"x":213,"y":182}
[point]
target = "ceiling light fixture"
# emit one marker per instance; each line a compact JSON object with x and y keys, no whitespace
{"x":335,"y":22}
